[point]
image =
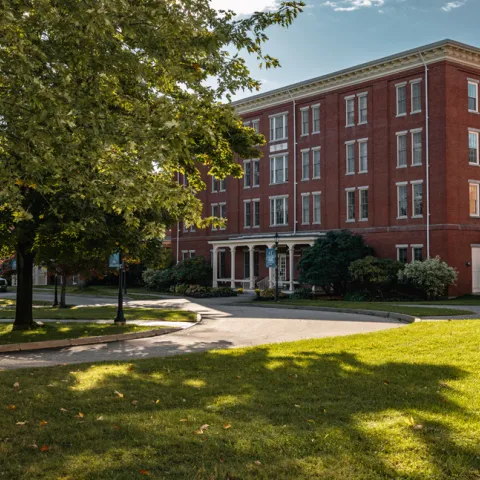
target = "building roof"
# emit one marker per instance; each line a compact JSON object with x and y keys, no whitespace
{"x":434,"y":52}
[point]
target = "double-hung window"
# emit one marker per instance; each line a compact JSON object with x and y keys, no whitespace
{"x":402,"y":253}
{"x":473,"y":96}
{"x":350,"y":204}
{"x":417,"y":199}
{"x":473,"y":157}
{"x":401,"y":99}
{"x":417,"y":147}
{"x":247,"y":213}
{"x":474,"y":198}
{"x":279,"y":127}
{"x":316,"y":162}
{"x":305,"y":113}
{"x":402,"y":200}
{"x":316,"y":208}
{"x":305,"y":208}
{"x":256,"y":173}
{"x":350,"y":154}
{"x":222,"y":185}
{"x":350,"y":111}
{"x":417,"y":253}
{"x":279,"y":169}
{"x":416,"y":86}
{"x":402,"y":149}
{"x":362,"y":156}
{"x":316,"y":118}
{"x":305,"y":164}
{"x":362,"y":108}
{"x":256,"y":125}
{"x":256,"y":213}
{"x":247,"y":178}
{"x":279,"y":211}
{"x":363,"y":203}
{"x":222,"y":212}
{"x":215,"y":183}
{"x":214,"y":213}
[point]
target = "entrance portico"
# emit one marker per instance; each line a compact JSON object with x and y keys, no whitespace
{"x":256,"y":244}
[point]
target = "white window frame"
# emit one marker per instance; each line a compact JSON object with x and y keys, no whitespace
{"x":215,"y":185}
{"x":350,"y":98}
{"x":222,"y":214}
{"x":473,"y":82}
{"x":347,"y":146}
{"x":245,"y":216}
{"x":316,"y":108}
{"x":284,"y":169}
{"x":214,"y":206}
{"x":285,"y":210}
{"x":347,"y":192}
{"x":272,"y":118}
{"x":247,"y":178}
{"x":256,"y":201}
{"x":362,"y":141}
{"x":256,"y":125}
{"x":255,"y":163}
{"x":398,"y":86}
{"x":413,"y":184}
{"x":222,"y":185}
{"x":413,"y":133}
{"x":305,"y":199}
{"x":417,"y":81}
{"x":319,"y":196}
{"x":415,"y":247}
{"x":360,"y":204}
{"x":314,"y":151}
{"x":403,"y":134}
{"x":476,"y":184}
{"x":360,"y":97}
{"x":401,"y":184}
{"x":472,"y":131}
{"x":305,"y":155}
{"x":305,"y":114}
{"x":401,"y":247}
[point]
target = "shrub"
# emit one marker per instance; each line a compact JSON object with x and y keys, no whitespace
{"x":257,"y":292}
{"x":240,"y":291}
{"x":159,"y":280}
{"x":224,"y":292}
{"x":192,"y":271}
{"x":303,"y":293}
{"x":269,"y":294}
{"x":432,"y":277}
{"x":181,"y":289}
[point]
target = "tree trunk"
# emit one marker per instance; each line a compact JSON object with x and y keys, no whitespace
{"x":55,"y":300}
{"x":63,"y":292}
{"x":24,"y":310}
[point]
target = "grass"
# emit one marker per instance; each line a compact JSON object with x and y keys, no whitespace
{"x":11,"y":302}
{"x":63,"y":331}
{"x":94,"y":290}
{"x":402,"y":403}
{"x":106,"y":312}
{"x":416,"y":311}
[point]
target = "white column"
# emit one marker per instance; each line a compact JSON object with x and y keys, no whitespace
{"x":215,"y":267}
{"x":271,"y":271}
{"x":291,"y":252}
{"x":232,"y":266}
{"x":251,"y":258}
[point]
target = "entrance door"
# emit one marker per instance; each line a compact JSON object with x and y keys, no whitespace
{"x":476,"y":269}
{"x":282,"y":270}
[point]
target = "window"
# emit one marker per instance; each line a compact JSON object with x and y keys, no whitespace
{"x":188,"y":254}
{"x":256,"y":213}
{"x":256,"y":173}
{"x":401,"y":150}
{"x":316,"y":208}
{"x":256,"y":125}
{"x":185,"y":181}
{"x":214,"y":185}
{"x":316,"y":118}
{"x":279,"y":169}
{"x":279,"y":211}
{"x":402,"y":200}
{"x":417,"y":147}
{"x":350,"y":111}
{"x":222,"y":185}
{"x":305,"y":164}
{"x":247,"y":214}
{"x":473,"y":96}
{"x":316,"y":162}
{"x":223,"y":212}
{"x":362,"y":108}
{"x":363,"y":156}
{"x":350,"y":158}
{"x":417,"y":253}
{"x":279,"y":127}
{"x":473,"y":148}
{"x":247,"y":178}
{"x":214,"y":213}
{"x":416,"y":96}
{"x":402,"y":253}
{"x":417,"y":199}
{"x":474,"y":199}
{"x":363,"y":210}
{"x":305,"y":121}
{"x":305,"y":209}
{"x":351,"y":205}
{"x":401,"y":99}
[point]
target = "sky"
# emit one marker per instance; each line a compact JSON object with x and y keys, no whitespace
{"x":331,"y":35}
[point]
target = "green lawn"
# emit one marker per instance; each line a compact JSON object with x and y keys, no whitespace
{"x":397,"y":404}
{"x":61,"y":331}
{"x":93,"y":291}
{"x":105,"y":313}
{"x":417,"y":311}
{"x":10,"y":302}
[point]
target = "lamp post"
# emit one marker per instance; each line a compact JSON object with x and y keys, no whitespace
{"x":55,"y":299}
{"x":120,"y":318}
{"x":276,"y":267}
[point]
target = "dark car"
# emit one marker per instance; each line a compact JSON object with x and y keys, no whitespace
{"x":3,"y":285}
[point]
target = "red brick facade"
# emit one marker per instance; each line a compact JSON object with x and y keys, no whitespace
{"x":453,"y":230}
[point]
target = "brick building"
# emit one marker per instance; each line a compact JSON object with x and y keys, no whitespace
{"x":387,"y":149}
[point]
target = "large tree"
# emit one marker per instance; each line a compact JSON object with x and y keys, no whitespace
{"x":105,"y":101}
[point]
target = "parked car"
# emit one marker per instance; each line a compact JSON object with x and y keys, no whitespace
{"x":3,"y":285}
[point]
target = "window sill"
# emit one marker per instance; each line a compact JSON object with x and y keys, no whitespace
{"x":474,"y":111}
{"x":363,"y":220}
{"x":350,"y":173}
{"x":417,"y":165}
{"x":255,"y":186}
{"x":416,"y":112}
{"x":256,"y":226}
{"x":247,"y":227}
{"x":350,"y":221}
{"x":244,"y":187}
{"x":474,"y":164}
{"x":305,"y":180}
{"x":474,"y":216}
{"x":278,"y":140}
{"x":316,"y":178}
{"x":305,"y":223}
{"x":417,"y":216}
{"x":349,"y":126}
{"x":402,"y":218}
{"x":401,"y":115}
{"x":304,"y":135}
{"x":316,"y":223}
{"x":363,"y":171}
{"x":279,"y":225}
{"x":315,"y":133}
{"x":280,"y":183}
{"x":401,"y":166}
{"x":362,"y":123}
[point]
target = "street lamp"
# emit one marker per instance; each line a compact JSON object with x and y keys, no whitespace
{"x":276,"y":266}
{"x":120,"y":318}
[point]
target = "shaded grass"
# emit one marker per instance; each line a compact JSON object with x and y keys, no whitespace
{"x":63,"y":331}
{"x":93,"y":290}
{"x":11,"y":302}
{"x":402,"y":403}
{"x":106,"y":312}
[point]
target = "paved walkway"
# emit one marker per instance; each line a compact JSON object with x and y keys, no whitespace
{"x":226,"y":324}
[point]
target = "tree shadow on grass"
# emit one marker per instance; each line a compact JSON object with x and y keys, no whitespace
{"x":302,"y":416}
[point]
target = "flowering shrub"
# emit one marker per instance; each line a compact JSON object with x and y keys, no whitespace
{"x":240,"y":291}
{"x":431,"y":276}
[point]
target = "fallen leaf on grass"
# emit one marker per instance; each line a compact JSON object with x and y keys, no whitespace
{"x":184,"y":419}
{"x":257,"y":462}
{"x":16,"y":385}
{"x":311,"y":421}
{"x":201,"y":430}
{"x":116,"y":427}
{"x":444,"y":385}
{"x":134,"y":402}
{"x":157,"y":401}
{"x":386,"y":382}
{"x":99,"y":419}
{"x":11,"y":407}
{"x":45,"y":448}
{"x":33,"y":445}
{"x":80,"y":415}
{"x":418,"y":427}
{"x":63,"y":410}
{"x":121,"y":395}
{"x":144,"y":472}
{"x":21,"y":423}
{"x":227,"y":426}
{"x":43,"y":423}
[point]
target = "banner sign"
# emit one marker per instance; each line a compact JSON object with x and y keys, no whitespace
{"x":271,"y":258}
{"x":114,"y":261}
{"x":14,"y":264}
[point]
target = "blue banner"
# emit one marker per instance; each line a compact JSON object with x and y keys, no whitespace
{"x":14,"y":264}
{"x":271,"y":258}
{"x":114,"y":261}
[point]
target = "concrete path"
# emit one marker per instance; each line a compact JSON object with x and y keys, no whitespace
{"x":226,"y":324}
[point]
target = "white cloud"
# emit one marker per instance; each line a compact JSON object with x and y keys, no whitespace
{"x":452,"y":5}
{"x":243,"y":7}
{"x":352,"y":5}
